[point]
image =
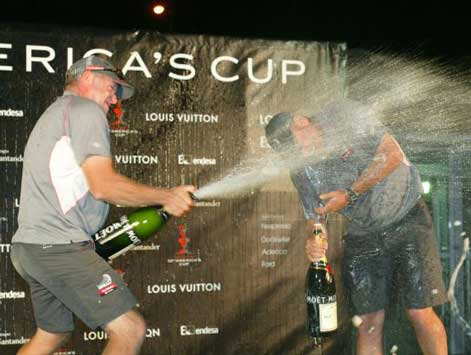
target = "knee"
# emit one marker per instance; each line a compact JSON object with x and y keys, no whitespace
{"x":420,"y":316}
{"x":130,"y":326}
{"x":371,"y":323}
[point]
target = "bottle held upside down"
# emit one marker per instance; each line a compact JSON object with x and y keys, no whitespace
{"x":321,"y":298}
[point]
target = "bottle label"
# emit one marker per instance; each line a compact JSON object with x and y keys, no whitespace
{"x":328,"y":316}
{"x":116,"y":229}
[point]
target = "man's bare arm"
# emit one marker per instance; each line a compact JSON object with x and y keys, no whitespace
{"x":388,"y":157}
{"x":108,"y":185}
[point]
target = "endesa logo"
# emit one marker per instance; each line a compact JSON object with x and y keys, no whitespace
{"x":12,"y":295}
{"x":186,"y":330}
{"x":189,"y":160}
{"x":11,"y":113}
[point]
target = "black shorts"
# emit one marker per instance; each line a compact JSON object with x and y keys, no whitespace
{"x":69,"y":279}
{"x":402,"y":259}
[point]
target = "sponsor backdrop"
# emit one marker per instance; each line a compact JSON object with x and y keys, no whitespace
{"x":229,"y":277}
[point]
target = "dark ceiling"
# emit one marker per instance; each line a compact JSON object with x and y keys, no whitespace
{"x":440,"y":27}
{"x":434,"y":28}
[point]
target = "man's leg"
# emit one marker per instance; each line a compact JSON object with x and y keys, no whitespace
{"x":127,"y":332}
{"x":429,"y":330}
{"x":370,"y":334}
{"x":43,"y":343}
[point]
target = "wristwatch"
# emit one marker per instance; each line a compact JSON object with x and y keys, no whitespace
{"x":352,"y":195}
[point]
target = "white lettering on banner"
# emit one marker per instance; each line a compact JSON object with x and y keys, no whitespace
{"x":264,"y":119}
{"x":12,"y":295}
{"x":181,"y":117}
{"x":182,"y":62}
{"x":268,"y":264}
{"x":192,"y":330}
{"x":187,"y":67}
{"x":18,"y":159}
{"x":264,"y":239}
{"x":5,"y":248}
{"x":285,"y":72}
{"x":95,"y":335}
{"x":152,"y":332}
{"x":146,"y":247}
{"x":136,"y":159}
{"x":20,"y":341}
{"x":159,"y":117}
{"x":216,"y":75}
{"x":275,"y":226}
{"x":185,"y":288}
{"x":141,"y":67}
{"x":197,"y":118}
{"x":101,"y":335}
{"x":274,"y":251}
{"x":264,"y":142}
{"x":252,"y":76}
{"x":44,"y":60}
{"x":212,"y":203}
{"x":11,"y":113}
{"x":17,"y":203}
{"x":170,"y":288}
{"x":5,"y":56}
{"x":188,"y":160}
{"x":201,"y":287}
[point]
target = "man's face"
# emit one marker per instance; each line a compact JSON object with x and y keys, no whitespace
{"x":306,"y":135}
{"x":102,"y":90}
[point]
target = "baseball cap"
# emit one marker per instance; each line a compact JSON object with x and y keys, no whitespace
{"x":98,"y":64}
{"x":278,"y":131}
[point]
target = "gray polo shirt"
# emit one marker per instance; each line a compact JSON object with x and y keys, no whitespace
{"x":351,"y":136}
{"x":56,"y":206}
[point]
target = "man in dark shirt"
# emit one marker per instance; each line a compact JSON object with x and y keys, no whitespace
{"x":352,"y":165}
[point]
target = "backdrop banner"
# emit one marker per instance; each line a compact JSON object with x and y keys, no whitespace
{"x":229,"y":277}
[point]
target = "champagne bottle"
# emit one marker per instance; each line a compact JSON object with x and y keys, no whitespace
{"x":320,"y":298}
{"x":131,"y":229}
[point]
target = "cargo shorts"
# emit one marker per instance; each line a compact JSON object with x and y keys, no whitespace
{"x":71,"y":279}
{"x":402,"y":260}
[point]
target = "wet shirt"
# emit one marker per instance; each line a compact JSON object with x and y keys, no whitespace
{"x":56,"y":206}
{"x":351,"y":136}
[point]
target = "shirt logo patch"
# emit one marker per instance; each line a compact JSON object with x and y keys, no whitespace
{"x":106,"y":285}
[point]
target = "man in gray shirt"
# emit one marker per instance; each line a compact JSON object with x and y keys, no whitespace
{"x":68,"y":180}
{"x":352,"y":165}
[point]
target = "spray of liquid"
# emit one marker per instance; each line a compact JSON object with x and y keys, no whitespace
{"x":424,"y":103}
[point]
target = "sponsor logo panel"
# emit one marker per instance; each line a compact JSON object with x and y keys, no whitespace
{"x":136,"y":159}
{"x":4,"y":158}
{"x":189,"y":330}
{"x":5,"y":295}
{"x":184,"y":255}
{"x":201,"y":287}
{"x":274,"y":239}
{"x":186,"y":159}
{"x":98,"y":335}
{"x":182,"y":117}
{"x":11,"y":113}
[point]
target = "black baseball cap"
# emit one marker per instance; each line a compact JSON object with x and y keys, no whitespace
{"x":278,"y":131}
